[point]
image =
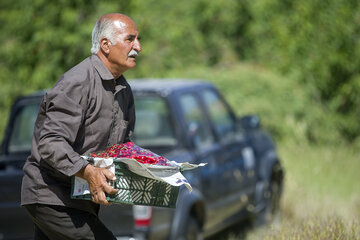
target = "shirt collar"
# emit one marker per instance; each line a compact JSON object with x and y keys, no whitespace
{"x":104,"y":73}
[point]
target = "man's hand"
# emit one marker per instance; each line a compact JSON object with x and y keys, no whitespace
{"x":97,"y":179}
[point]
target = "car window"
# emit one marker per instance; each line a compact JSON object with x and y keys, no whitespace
{"x":196,"y":119}
{"x":22,"y":131}
{"x":219,"y":114}
{"x":153,"y":125}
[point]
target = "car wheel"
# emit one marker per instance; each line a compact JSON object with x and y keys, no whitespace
{"x":192,"y":230}
{"x":271,"y":211}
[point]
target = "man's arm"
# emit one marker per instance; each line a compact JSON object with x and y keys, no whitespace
{"x":64,"y":113}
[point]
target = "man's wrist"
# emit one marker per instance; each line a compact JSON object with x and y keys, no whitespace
{"x":84,"y":172}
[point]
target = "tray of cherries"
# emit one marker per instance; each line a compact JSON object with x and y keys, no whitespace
{"x":132,"y":151}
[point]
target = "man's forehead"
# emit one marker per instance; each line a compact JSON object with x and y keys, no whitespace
{"x":128,"y":27}
{"x":119,"y":24}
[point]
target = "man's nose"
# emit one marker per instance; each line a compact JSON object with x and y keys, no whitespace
{"x":137,"y":45}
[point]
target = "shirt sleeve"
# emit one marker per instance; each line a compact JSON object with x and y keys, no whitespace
{"x":64,"y":114}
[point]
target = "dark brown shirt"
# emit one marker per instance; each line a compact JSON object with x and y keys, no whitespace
{"x":86,"y":111}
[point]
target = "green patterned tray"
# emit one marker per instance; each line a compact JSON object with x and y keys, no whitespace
{"x":138,"y":190}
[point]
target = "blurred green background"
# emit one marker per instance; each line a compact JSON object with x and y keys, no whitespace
{"x":294,"y":63}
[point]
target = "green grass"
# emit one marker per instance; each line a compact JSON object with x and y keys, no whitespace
{"x":311,"y":228}
{"x":326,"y":172}
{"x":322,"y":196}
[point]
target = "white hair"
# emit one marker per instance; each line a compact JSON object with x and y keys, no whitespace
{"x":103,"y":28}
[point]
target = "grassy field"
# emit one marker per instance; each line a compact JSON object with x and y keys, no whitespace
{"x":322,"y":195}
{"x":322,"y":180}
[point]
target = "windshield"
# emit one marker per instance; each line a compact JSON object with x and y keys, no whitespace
{"x":22,"y":131}
{"x":153,"y":123}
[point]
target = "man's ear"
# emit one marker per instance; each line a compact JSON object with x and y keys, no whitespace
{"x":105,"y":45}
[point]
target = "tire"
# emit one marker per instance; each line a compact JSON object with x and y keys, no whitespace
{"x":192,"y":230}
{"x":272,"y":209}
{"x":271,"y":212}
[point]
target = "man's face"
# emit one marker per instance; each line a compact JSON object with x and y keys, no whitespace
{"x":122,"y":54}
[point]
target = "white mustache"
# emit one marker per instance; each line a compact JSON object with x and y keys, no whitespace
{"x":133,"y":53}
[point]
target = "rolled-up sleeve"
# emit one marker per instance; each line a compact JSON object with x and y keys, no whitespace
{"x":64,"y":114}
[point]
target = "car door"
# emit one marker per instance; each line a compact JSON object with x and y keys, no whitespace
{"x":212,"y":177}
{"x":238,"y":159}
{"x":14,"y":222}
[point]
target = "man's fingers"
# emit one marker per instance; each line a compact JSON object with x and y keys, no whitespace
{"x":98,"y":182}
{"x":109,"y":175}
{"x":100,"y":198}
{"x":110,"y":190}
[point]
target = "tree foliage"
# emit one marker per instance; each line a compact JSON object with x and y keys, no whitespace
{"x":315,"y":43}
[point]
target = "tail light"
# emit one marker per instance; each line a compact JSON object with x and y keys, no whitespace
{"x":142,"y":215}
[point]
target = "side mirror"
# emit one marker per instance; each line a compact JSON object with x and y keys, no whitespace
{"x":249,"y":122}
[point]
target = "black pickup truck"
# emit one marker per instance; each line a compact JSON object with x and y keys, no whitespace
{"x":185,"y":121}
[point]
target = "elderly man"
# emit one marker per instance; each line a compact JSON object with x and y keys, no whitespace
{"x":89,"y":108}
